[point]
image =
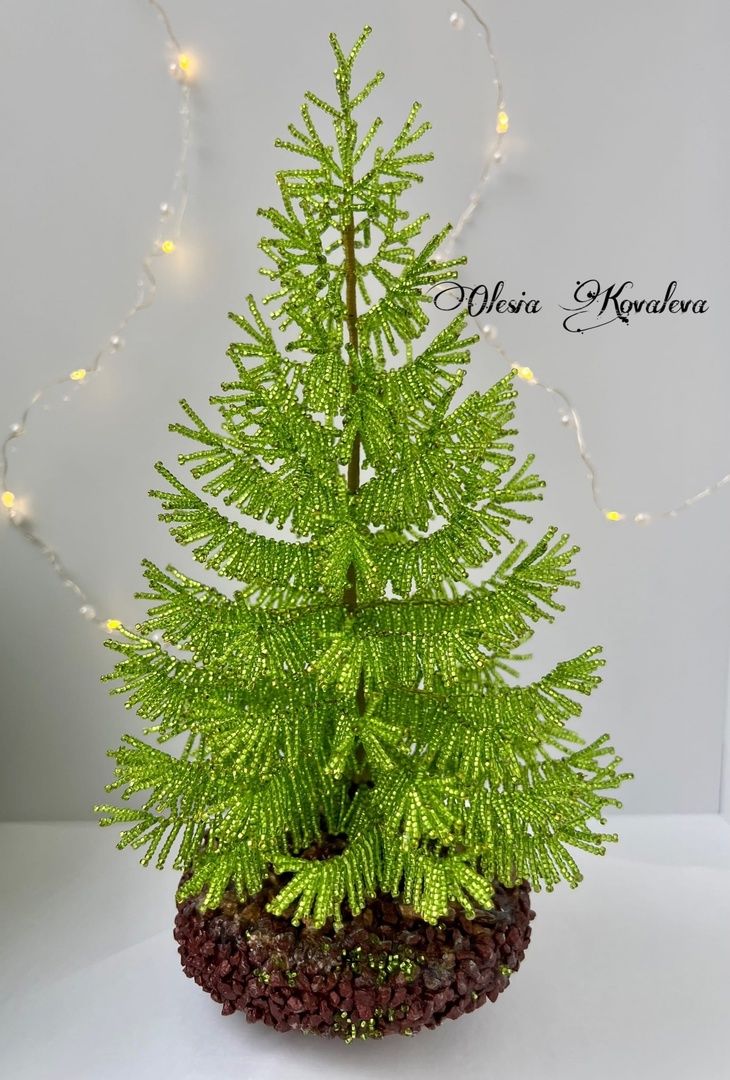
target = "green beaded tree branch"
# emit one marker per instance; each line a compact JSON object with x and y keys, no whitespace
{"x":358,"y":682}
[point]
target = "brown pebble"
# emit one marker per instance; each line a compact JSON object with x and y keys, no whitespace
{"x":364,"y":1004}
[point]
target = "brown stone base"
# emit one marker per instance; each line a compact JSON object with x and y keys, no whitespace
{"x":386,"y":971}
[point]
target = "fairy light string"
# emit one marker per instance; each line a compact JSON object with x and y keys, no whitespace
{"x":569,"y":415}
{"x":182,"y":67}
{"x":493,"y":155}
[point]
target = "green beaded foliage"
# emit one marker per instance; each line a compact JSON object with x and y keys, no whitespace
{"x":358,"y":682}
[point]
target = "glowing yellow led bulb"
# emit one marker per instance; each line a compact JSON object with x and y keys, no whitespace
{"x":613,"y":515}
{"x":183,"y":66}
{"x":168,"y":246}
{"x":7,"y":499}
{"x":502,"y":122}
{"x":113,"y":624}
{"x":78,"y":374}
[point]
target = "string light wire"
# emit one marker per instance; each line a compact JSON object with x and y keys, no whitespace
{"x":181,"y":66}
{"x":569,"y":415}
{"x":500,"y":127}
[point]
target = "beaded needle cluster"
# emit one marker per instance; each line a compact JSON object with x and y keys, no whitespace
{"x":357,"y":680}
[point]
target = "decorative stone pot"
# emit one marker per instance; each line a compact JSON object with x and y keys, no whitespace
{"x":385,"y":971}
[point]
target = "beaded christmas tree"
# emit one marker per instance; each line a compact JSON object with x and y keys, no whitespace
{"x":355,"y":697}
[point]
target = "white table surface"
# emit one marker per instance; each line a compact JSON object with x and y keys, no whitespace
{"x":626,"y":977}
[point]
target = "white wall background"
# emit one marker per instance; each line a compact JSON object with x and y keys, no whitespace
{"x":616,"y":167}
